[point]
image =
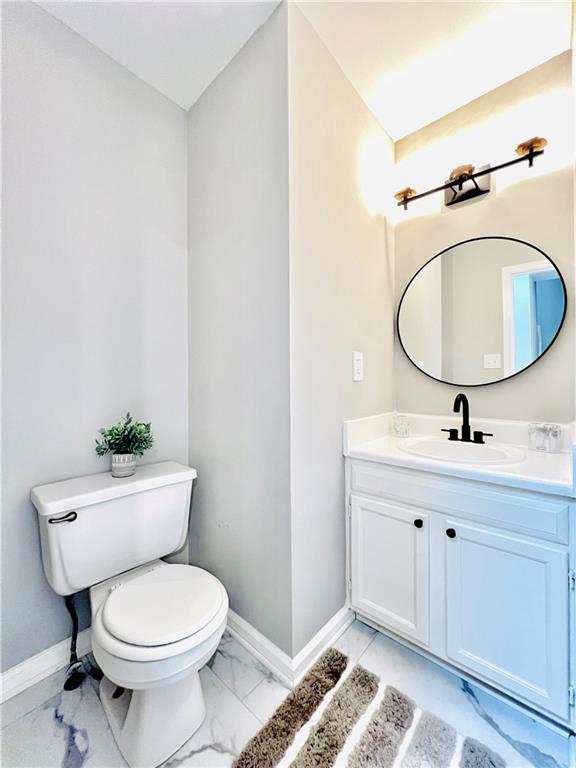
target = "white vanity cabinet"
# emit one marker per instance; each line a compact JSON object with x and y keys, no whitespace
{"x":390,"y":568}
{"x":478,"y":576}
{"x":507,"y":612}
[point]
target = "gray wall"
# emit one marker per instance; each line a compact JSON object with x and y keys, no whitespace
{"x":239,"y":332}
{"x":288,"y":274}
{"x":341,"y":299}
{"x":535,"y":205}
{"x":94,"y":319}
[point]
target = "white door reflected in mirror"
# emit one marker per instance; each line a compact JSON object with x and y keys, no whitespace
{"x":533,"y":302}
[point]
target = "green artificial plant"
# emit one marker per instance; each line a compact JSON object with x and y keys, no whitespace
{"x":127,"y":436}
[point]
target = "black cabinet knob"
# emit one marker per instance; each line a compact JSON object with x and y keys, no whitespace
{"x":418,"y":523}
{"x":451,"y":533}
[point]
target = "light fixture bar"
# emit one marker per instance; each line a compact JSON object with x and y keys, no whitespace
{"x":528,"y":150}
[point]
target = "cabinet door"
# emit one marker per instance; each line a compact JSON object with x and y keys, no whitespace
{"x":389,"y":566}
{"x":507,"y":612}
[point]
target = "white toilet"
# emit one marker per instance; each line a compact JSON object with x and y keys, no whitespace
{"x":154,"y":624}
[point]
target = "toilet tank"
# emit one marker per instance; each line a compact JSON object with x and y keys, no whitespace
{"x":94,"y":527}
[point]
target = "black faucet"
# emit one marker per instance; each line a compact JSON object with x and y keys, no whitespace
{"x":462,"y":400}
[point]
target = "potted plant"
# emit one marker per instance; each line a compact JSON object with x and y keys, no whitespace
{"x":125,"y":440}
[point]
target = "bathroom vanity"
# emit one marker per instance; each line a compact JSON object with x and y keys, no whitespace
{"x":471,"y":563}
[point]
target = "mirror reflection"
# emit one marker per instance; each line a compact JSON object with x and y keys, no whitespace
{"x":481,"y":311}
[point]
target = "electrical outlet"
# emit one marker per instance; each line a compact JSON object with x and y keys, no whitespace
{"x":493,"y":361}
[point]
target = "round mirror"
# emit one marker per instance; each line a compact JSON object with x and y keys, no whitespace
{"x":481,"y":311}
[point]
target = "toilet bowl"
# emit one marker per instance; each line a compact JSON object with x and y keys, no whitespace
{"x":153,"y":629}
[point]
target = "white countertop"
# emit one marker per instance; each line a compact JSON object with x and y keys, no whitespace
{"x":542,"y":472}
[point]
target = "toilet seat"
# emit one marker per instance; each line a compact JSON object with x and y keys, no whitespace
{"x":147,"y":602}
{"x":162,"y":606}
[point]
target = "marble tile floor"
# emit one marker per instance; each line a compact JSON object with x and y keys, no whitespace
{"x":44,"y":727}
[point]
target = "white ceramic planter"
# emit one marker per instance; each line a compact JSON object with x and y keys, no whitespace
{"x":123,"y":464}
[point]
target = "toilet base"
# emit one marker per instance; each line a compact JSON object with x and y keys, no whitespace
{"x":150,"y":725}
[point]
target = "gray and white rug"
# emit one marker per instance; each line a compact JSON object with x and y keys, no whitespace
{"x":342,"y":715}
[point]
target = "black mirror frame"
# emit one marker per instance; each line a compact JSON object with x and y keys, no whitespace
{"x":455,"y":245}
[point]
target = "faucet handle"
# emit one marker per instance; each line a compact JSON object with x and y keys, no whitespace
{"x":452,"y":433}
{"x":479,"y":436}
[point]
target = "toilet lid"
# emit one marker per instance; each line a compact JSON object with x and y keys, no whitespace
{"x":163,"y":606}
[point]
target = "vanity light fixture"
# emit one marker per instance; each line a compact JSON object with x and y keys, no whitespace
{"x":527,"y":151}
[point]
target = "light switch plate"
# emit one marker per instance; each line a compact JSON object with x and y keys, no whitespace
{"x":493,"y":361}
{"x":357,"y":366}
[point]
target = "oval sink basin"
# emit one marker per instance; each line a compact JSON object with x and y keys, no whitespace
{"x":466,"y":453}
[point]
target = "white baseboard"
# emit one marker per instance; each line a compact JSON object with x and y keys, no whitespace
{"x":322,"y":640}
{"x":43,"y":664}
{"x":274,"y":658}
{"x":287,"y":669}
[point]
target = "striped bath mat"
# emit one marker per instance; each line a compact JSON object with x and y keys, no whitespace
{"x":341,"y":715}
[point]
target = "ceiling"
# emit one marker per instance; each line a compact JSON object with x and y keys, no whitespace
{"x":411,"y":62}
{"x":176,"y":47}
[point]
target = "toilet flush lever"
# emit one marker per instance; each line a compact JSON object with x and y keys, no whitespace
{"x":69,"y":518}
